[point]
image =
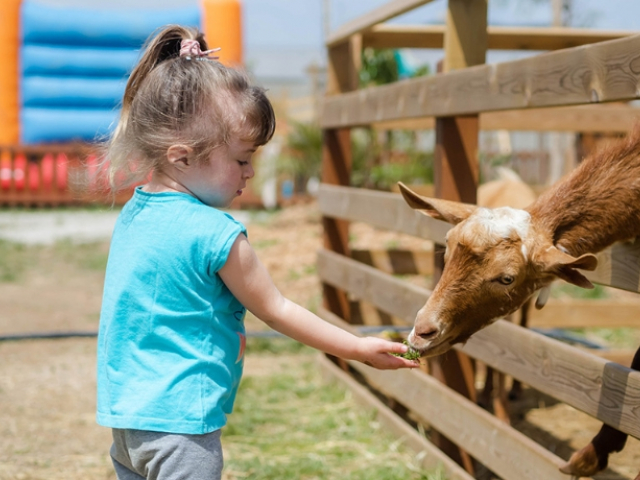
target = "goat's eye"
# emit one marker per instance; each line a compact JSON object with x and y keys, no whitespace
{"x":506,"y":279}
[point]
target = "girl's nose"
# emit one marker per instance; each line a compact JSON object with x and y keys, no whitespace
{"x":249,"y":172}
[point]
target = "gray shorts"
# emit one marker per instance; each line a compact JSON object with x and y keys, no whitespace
{"x":140,"y":454}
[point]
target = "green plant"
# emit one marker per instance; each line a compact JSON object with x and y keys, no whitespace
{"x":378,"y":67}
{"x":14,"y":259}
{"x":304,"y":158}
{"x":411,"y":354}
{"x":89,"y":256}
{"x":567,"y":290}
{"x":275,"y":345}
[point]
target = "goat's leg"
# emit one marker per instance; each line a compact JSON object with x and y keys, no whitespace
{"x":516,"y":387}
{"x":595,"y":456}
{"x":486,"y":395}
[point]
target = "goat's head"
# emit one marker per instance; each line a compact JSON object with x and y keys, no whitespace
{"x":495,"y":259}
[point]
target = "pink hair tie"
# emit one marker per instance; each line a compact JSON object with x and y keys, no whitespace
{"x":191,"y":48}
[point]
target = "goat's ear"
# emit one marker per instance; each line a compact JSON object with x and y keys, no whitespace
{"x":564,"y":266}
{"x":452,"y":212}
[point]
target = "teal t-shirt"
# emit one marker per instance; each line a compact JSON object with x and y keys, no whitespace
{"x":171,"y":339}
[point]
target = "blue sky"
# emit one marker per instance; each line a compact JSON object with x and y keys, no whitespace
{"x":287,"y":35}
{"x":299,"y":23}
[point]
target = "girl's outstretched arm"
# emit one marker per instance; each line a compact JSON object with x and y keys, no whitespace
{"x":250,"y":282}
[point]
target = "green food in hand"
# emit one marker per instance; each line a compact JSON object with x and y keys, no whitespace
{"x":411,"y":354}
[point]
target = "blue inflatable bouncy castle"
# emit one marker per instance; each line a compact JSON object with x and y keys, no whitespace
{"x":74,"y":65}
{"x":64,"y":65}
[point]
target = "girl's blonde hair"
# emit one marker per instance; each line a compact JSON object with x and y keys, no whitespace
{"x":171,"y":99}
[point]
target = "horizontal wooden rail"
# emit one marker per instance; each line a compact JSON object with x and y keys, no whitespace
{"x":618,"y":267}
{"x":586,"y":314}
{"x":434,"y":457}
{"x":605,"y":390}
{"x":392,"y":295}
{"x":602,"y":72}
{"x":397,"y":261}
{"x":380,"y":209}
{"x":381,"y":14}
{"x":583,"y":118}
{"x":499,"y":38}
{"x":504,"y":450}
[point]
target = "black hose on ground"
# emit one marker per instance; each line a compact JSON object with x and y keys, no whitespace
{"x":365,"y":329}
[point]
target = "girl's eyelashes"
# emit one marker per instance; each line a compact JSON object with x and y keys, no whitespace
{"x":243,"y":163}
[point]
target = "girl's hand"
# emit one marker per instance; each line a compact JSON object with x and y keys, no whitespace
{"x":377,"y":352}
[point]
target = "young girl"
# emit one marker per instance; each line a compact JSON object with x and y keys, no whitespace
{"x":181,"y":273}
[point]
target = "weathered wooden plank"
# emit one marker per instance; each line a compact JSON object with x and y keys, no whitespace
{"x":456,"y":168}
{"x":433,"y":459}
{"x":497,"y":445}
{"x":586,"y":314}
{"x":465,"y":37}
{"x":397,"y":261}
{"x":381,"y":209}
{"x":381,"y":14}
{"x":504,"y":450}
{"x":345,"y":62}
{"x":499,"y":38}
{"x":602,"y":72}
{"x":583,"y":118}
{"x":619,"y":267}
{"x":391,"y":294}
{"x":605,"y":390}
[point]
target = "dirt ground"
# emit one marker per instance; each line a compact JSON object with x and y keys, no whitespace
{"x":47,"y":387}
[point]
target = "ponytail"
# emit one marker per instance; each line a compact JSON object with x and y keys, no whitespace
{"x":164,"y":46}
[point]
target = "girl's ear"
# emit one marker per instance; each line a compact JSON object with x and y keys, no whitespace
{"x":180,"y":155}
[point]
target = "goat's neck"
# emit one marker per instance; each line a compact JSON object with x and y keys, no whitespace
{"x":596,"y":205}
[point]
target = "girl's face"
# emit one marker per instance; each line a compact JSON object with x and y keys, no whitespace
{"x":223,"y":177}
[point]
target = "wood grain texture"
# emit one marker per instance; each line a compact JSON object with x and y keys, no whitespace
{"x":380,"y":209}
{"x":613,"y":118}
{"x":498,"y":38}
{"x":605,"y":390}
{"x":602,"y":72}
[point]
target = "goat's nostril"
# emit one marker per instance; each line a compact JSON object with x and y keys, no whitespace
{"x":428,"y":334}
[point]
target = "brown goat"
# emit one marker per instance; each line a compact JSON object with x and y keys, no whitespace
{"x":496,"y":259}
{"x":508,"y":190}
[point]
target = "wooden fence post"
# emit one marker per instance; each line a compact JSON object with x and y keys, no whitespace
{"x":456,"y":177}
{"x":344,"y":68}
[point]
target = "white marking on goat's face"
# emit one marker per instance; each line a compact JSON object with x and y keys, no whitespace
{"x":490,"y":225}
{"x":487,"y":275}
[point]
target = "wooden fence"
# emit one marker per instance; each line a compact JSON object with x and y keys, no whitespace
{"x":444,"y":399}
